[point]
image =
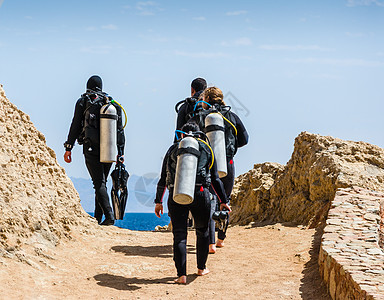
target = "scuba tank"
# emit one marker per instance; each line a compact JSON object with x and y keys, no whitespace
{"x":214,"y":129}
{"x":108,"y":133}
{"x":186,"y":168}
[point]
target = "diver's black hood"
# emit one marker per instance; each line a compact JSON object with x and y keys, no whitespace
{"x":95,"y":83}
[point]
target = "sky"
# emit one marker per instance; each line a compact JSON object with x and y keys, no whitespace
{"x":284,"y":66}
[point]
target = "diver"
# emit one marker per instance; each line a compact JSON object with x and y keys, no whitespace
{"x":185,"y":107}
{"x":85,"y":128}
{"x":199,"y":200}
{"x":235,"y":136}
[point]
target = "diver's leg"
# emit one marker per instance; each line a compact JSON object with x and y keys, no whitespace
{"x":98,"y":211}
{"x":201,"y":211}
{"x":228,"y":182}
{"x":179,"y":216}
{"x":212,"y":226}
{"x":97,"y":171}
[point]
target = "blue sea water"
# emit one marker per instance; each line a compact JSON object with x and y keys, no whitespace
{"x":141,"y":221}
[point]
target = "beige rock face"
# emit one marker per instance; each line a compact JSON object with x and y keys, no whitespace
{"x":382,"y":224}
{"x":38,"y":202}
{"x":301,"y":191}
{"x":251,"y":193}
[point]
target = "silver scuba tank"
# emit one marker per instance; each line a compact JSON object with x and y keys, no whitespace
{"x":214,"y":129}
{"x":108,"y":133}
{"x":186,"y":168}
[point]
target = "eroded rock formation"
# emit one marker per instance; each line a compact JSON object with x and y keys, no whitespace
{"x":301,"y":191}
{"x":38,"y":202}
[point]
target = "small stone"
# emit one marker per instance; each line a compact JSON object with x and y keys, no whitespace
{"x":375,"y":251}
{"x":333,"y":222}
{"x":371,"y":217}
{"x":378,"y":272}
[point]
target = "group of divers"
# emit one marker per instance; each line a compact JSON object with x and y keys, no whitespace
{"x":198,"y":169}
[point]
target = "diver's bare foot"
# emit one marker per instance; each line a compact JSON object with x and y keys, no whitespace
{"x":181,"y":280}
{"x":220,"y":243}
{"x":212,"y":248}
{"x":202,"y":272}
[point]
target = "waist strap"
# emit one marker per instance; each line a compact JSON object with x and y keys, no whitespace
{"x":188,"y":150}
{"x":213,"y":128}
{"x":171,"y":186}
{"x":106,"y":116}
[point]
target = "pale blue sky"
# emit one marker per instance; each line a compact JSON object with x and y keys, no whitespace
{"x":299,"y":65}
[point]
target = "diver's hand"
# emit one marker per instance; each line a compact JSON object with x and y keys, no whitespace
{"x":67,"y":156}
{"x":226,"y":206}
{"x":158,"y":209}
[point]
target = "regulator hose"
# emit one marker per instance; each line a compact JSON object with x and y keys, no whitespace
{"x":125,"y":114}
{"x":176,"y":131}
{"x":213,"y":156}
{"x":234,"y":127}
{"x":201,"y":101}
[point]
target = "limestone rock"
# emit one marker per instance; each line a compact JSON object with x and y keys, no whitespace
{"x":251,"y":193}
{"x":382,"y":224}
{"x":302,"y":192}
{"x":38,"y":202}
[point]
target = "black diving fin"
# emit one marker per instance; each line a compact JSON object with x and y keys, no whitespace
{"x":119,"y":192}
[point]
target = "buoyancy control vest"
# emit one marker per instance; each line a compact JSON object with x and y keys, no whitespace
{"x":230,"y":131}
{"x":189,"y":104}
{"x":93,"y":103}
{"x":203,"y":176}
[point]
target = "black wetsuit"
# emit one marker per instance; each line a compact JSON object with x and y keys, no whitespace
{"x":200,"y":209}
{"x":97,"y":170}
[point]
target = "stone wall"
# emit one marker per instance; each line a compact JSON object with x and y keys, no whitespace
{"x":351,"y":260}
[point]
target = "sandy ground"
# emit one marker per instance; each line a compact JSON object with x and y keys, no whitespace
{"x":258,"y":262}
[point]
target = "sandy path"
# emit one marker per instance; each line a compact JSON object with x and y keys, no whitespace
{"x":268,"y":262}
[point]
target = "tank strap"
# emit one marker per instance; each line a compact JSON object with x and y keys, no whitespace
{"x":171,"y":186}
{"x":188,"y":150}
{"x":213,"y":128}
{"x":106,"y":116}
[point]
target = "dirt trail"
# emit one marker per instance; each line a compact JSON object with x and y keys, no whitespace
{"x":265,"y":262}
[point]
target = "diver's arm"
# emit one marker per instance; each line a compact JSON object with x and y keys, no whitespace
{"x":181,"y":115}
{"x":161,"y":184}
{"x":120,"y":132}
{"x":242,"y":134}
{"x":76,"y":125}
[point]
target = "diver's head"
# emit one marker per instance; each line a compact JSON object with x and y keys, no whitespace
{"x":197,"y":85}
{"x":190,"y":127}
{"x":95,"y":83}
{"x":213,"y":95}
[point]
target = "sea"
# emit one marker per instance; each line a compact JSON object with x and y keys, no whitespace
{"x":141,"y":221}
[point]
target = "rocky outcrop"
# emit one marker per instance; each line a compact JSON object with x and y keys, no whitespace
{"x":301,"y":191}
{"x":251,"y":193}
{"x":38,"y":202}
{"x":382,"y":224}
